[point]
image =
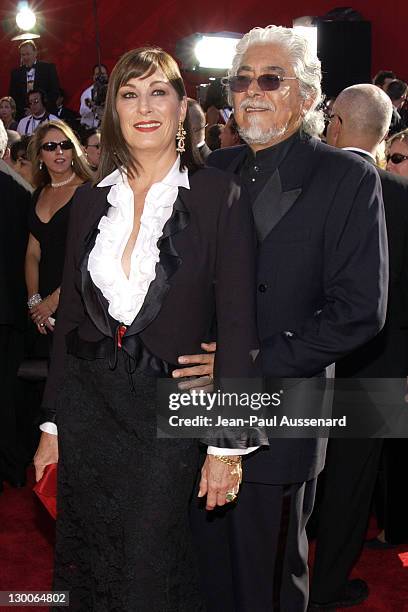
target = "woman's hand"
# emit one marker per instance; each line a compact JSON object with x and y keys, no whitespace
{"x":218,"y":479}
{"x":41,"y":312}
{"x":47,"y":453}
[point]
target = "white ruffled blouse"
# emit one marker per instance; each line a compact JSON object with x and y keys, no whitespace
{"x":126,"y":295}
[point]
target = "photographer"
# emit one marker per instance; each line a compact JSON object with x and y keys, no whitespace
{"x":93,"y":98}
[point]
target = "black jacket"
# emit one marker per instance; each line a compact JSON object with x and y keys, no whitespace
{"x":206,"y":268}
{"x":14,"y":205}
{"x":386,"y":355}
{"x":322,"y":277}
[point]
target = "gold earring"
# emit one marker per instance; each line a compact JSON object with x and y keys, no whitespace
{"x":180,"y":138}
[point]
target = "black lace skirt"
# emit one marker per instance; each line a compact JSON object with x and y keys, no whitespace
{"x":123,"y":537}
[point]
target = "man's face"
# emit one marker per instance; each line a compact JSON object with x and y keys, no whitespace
{"x":28,"y":55}
{"x":35,"y":104}
{"x":267,"y":117}
{"x":99,"y":71}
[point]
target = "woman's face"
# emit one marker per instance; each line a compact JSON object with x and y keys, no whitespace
{"x":93,"y":151}
{"x":6,"y":112}
{"x":149,"y":112}
{"x":400,"y":148}
{"x":59,"y":160}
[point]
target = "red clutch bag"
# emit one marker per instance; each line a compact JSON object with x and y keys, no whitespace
{"x":46,"y":489}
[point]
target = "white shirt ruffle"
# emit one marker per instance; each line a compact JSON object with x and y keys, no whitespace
{"x":126,"y":295}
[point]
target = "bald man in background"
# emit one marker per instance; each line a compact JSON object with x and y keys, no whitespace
{"x":359,"y":122}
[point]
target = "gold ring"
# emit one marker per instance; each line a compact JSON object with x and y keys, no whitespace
{"x":230,"y":496}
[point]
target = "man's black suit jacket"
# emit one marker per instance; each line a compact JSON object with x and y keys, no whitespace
{"x":46,"y":78}
{"x":14,"y":205}
{"x":386,"y":355}
{"x":322,"y":277}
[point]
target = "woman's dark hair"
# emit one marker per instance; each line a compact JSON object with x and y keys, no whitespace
{"x":216,"y":95}
{"x":141,"y":62}
{"x":19,"y":148}
{"x":382,"y":76}
{"x":86,"y":135}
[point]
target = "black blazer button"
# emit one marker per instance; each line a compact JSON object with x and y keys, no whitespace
{"x":262,"y":288}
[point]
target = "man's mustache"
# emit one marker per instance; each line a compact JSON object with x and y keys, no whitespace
{"x":247,"y":102}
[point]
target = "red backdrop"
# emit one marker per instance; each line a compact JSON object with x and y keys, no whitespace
{"x":69,"y":39}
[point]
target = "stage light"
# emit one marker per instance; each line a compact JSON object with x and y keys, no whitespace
{"x":25,"y":17}
{"x":306,"y":26}
{"x":216,"y":51}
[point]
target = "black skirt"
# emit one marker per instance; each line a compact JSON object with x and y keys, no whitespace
{"x":123,"y":536}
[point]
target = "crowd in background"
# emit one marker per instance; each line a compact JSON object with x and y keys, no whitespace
{"x":51,"y":150}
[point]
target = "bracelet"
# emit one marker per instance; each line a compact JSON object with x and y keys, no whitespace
{"x":227,"y":459}
{"x":34,"y":300}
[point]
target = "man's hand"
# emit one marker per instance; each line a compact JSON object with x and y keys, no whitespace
{"x":47,"y":453}
{"x":201,"y":365}
{"x":218,"y":479}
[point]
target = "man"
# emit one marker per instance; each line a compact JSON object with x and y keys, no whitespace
{"x":397,"y":91}
{"x":322,"y":254}
{"x":32,"y":75}
{"x":197,"y":121}
{"x":87,"y":109}
{"x":359,"y":123}
{"x":38,"y":113}
{"x":383,"y":78}
{"x":70,"y":117}
{"x":13,"y":313}
{"x":229,"y":136}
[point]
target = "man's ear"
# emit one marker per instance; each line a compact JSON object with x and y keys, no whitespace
{"x":6,"y":155}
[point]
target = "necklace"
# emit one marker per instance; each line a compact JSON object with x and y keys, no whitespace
{"x":62,"y":183}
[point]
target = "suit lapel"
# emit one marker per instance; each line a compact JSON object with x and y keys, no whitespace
{"x":272,"y":204}
{"x":95,"y":304}
{"x":284,"y":187}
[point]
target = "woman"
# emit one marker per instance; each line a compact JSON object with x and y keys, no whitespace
{"x":157,"y":247}
{"x":58,"y":168}
{"x":8,"y":112}
{"x":91,"y":141}
{"x":397,"y":154}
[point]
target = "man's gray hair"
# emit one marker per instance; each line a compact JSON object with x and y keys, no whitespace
{"x":3,"y":139}
{"x":306,"y":66}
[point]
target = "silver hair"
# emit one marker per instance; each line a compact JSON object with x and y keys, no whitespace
{"x":3,"y":139}
{"x":306,"y":66}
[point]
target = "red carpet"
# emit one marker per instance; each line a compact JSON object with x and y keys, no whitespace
{"x":26,"y":551}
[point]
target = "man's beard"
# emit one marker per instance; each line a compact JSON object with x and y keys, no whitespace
{"x":256,"y":133}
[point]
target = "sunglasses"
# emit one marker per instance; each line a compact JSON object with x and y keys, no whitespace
{"x":396,"y":158}
{"x":51,"y":146}
{"x":96,"y":146}
{"x":266,"y":82}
